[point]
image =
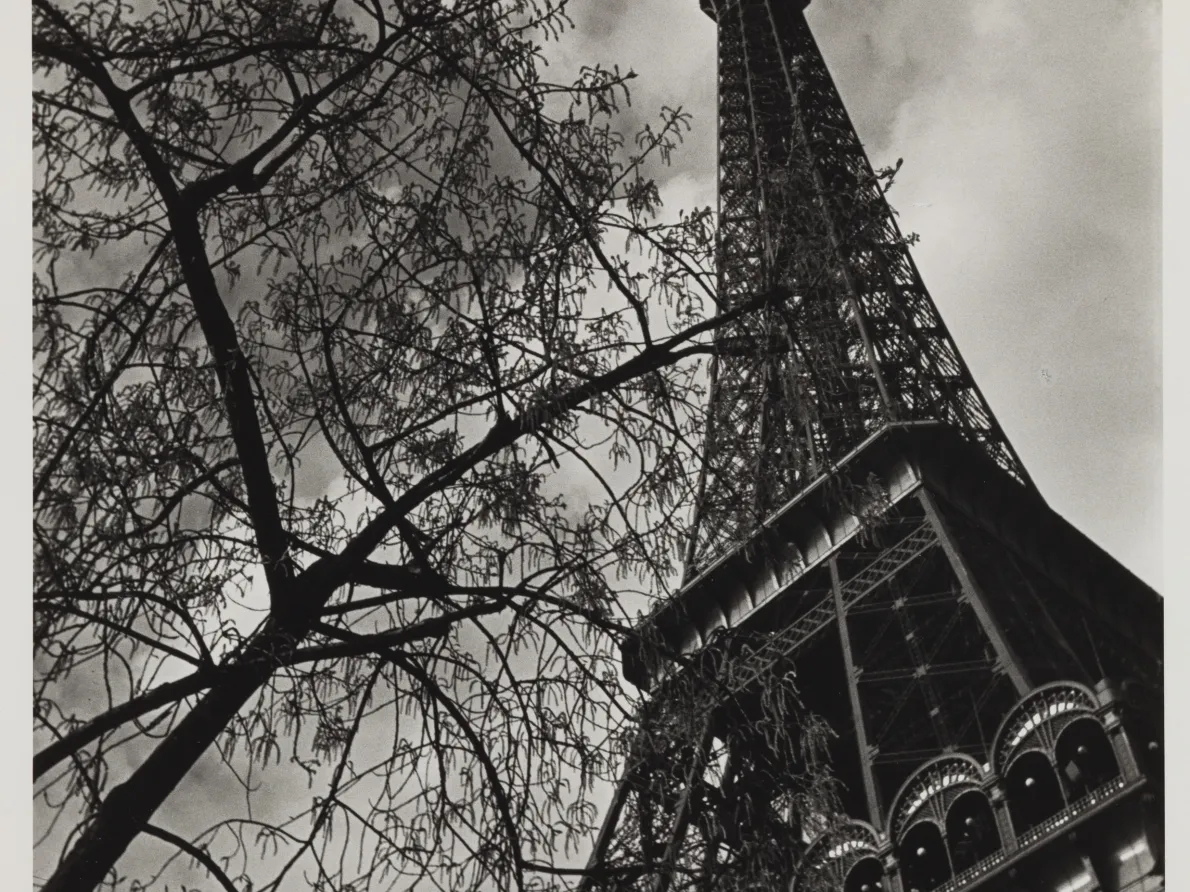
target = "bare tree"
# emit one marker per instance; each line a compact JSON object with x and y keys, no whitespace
{"x":365,"y":367}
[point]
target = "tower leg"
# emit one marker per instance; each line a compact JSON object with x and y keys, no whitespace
{"x":1007,"y":657}
{"x":677,"y":833}
{"x":607,"y":830}
{"x":871,"y":791}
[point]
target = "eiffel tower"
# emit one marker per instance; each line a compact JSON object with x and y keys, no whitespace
{"x":874,"y":586}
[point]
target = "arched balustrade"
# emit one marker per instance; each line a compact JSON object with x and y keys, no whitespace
{"x":919,"y":819}
{"x":1036,"y":722}
{"x":836,"y":857}
{"x":929,"y":791}
{"x":971,"y":833}
{"x":1033,"y":790}
{"x":925,"y":862}
{"x":1084,"y":757}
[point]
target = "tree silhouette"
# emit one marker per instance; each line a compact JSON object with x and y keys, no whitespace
{"x":365,"y":366}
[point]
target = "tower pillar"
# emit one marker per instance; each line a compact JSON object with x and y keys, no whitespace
{"x":893,"y":880}
{"x":1113,"y":723}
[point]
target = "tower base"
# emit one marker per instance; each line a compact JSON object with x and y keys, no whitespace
{"x":959,"y":637}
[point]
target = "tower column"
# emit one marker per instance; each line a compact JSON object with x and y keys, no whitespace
{"x":1121,"y":747}
{"x":677,"y":833}
{"x":1113,"y":723}
{"x":892,"y":874}
{"x":1003,"y":817}
{"x":608,"y":828}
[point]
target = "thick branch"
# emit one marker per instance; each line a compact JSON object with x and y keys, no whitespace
{"x":173,"y":691}
{"x":395,"y":577}
{"x":327,"y":574}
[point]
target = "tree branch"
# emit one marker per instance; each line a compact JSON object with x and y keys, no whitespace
{"x":124,"y":630}
{"x":329,"y":573}
{"x":218,"y":330}
{"x":187,"y":619}
{"x":199,"y":193}
{"x":498,"y":793}
{"x":195,"y":683}
{"x":194,"y":852}
{"x":105,"y":388}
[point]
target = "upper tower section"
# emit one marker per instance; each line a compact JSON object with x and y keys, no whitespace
{"x":857,"y":342}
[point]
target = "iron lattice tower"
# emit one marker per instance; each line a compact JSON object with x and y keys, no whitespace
{"x":991,"y":679}
{"x":860,"y":342}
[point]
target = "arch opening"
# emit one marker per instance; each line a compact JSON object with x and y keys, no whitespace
{"x":1034,"y":792}
{"x":866,"y":875}
{"x":1086,"y":760}
{"x":924,"y":860}
{"x":971,"y":832}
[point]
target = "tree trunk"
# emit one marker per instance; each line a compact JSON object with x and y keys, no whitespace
{"x":130,"y":805}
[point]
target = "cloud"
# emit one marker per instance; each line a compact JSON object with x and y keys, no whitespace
{"x":1031,"y":139}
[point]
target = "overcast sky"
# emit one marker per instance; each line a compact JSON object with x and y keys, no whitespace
{"x":1030,"y":133}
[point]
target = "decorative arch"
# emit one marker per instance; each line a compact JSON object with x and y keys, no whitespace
{"x":1085,"y":757}
{"x":928,"y":793}
{"x":925,"y":862}
{"x":1037,"y":720}
{"x":971,"y":832}
{"x":832,"y":856}
{"x":1034,"y":792}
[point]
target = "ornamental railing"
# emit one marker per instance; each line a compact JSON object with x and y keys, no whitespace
{"x":1034,"y":834}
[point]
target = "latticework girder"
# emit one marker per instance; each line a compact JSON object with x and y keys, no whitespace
{"x":860,"y":343}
